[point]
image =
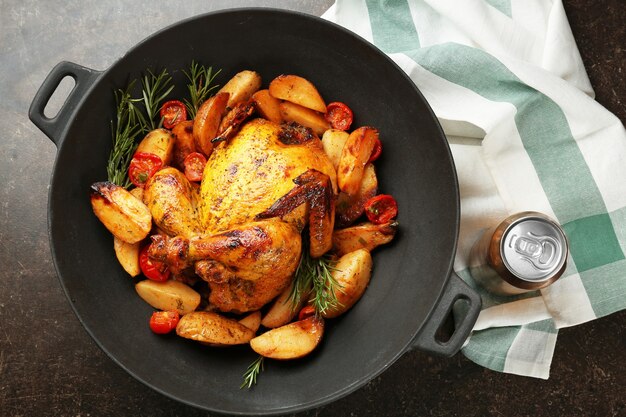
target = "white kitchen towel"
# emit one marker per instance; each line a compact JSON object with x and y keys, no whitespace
{"x":507,"y":83}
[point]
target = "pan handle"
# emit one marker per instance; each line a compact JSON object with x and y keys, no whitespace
{"x":455,"y":290}
{"x":83,"y":78}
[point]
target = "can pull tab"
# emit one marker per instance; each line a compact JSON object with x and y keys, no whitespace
{"x":539,"y":251}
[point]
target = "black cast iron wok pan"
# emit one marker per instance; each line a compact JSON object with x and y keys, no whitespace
{"x":412,"y":288}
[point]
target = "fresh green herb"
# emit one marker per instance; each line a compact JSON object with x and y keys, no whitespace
{"x":314,"y":278}
{"x":249,"y":377}
{"x":132,"y":120}
{"x":155,"y":89}
{"x":200,"y":88}
{"x":129,"y":124}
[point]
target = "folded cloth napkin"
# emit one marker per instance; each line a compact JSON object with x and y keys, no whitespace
{"x":507,"y":83}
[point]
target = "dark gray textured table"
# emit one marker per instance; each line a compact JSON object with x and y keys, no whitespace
{"x":50,"y":366}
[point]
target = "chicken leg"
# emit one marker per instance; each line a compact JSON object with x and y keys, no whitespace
{"x":245,"y":267}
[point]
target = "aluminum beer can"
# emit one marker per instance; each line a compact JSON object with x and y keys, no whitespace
{"x":525,"y":252}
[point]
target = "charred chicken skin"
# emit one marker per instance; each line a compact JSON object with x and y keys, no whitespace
{"x":241,"y":230}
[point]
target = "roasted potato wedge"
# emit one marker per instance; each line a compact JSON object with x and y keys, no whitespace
{"x":172,"y":202}
{"x":355,"y":154}
{"x":168,"y":295}
{"x":184,"y":143}
{"x":241,"y":87}
{"x":138,"y":193}
{"x":252,"y":321}
{"x":268,"y":106}
{"x":207,"y":122}
{"x":281,"y":311}
{"x":352,"y":273}
{"x":349,"y":208}
{"x":291,"y":341}
{"x":297,"y":90}
{"x":127,"y":255}
{"x":363,"y":236}
{"x":159,"y":142}
{"x":306,"y":117}
{"x":333,"y":142}
{"x":121,"y":212}
{"x":212,"y":328}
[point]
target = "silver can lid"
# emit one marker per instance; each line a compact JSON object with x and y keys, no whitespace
{"x":534,"y":249}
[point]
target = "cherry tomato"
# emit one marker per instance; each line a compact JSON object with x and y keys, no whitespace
{"x":163,"y":322}
{"x":306,"y":312}
{"x":172,"y":112}
{"x":142,"y":167}
{"x":381,"y":209}
{"x":194,"y":166}
{"x":154,"y":270}
{"x":339,"y":115}
{"x":378,"y":149}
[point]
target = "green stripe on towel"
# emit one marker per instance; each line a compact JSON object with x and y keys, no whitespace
{"x":503,"y":6}
{"x":605,"y":288}
{"x":392,"y":25}
{"x":593,"y":242}
{"x":546,"y":326}
{"x":490,"y":346}
{"x":618,"y":218}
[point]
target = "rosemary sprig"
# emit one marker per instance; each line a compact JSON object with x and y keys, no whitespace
{"x":314,"y":277}
{"x":249,"y":377}
{"x":200,"y":88}
{"x":128,"y":125}
{"x":324,"y":294}
{"x":155,"y":88}
{"x":134,"y":117}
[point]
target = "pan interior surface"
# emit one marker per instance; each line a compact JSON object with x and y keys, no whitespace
{"x":408,"y":277}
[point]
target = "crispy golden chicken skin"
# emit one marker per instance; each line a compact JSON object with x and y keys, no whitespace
{"x":247,"y":174}
{"x":241,"y":232}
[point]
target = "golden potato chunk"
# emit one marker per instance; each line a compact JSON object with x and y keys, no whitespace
{"x":168,"y":295}
{"x":127,"y":255}
{"x":210,"y":327}
{"x":252,"y":321}
{"x":137,"y":192}
{"x":241,"y":87}
{"x":121,"y":212}
{"x":291,"y":341}
{"x":268,"y":106}
{"x":159,"y":142}
{"x":355,"y":154}
{"x":282,"y":312}
{"x":350,"y":208}
{"x":352,"y":273}
{"x":207,"y":122}
{"x":363,"y":236}
{"x":297,"y":90}
{"x":333,"y":142}
{"x":306,"y":117}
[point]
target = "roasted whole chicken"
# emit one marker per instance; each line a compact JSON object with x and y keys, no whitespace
{"x":241,"y":231}
{"x":228,"y":197}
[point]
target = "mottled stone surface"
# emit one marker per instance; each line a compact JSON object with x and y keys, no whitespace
{"x":600,"y":31}
{"x":50,"y":366}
